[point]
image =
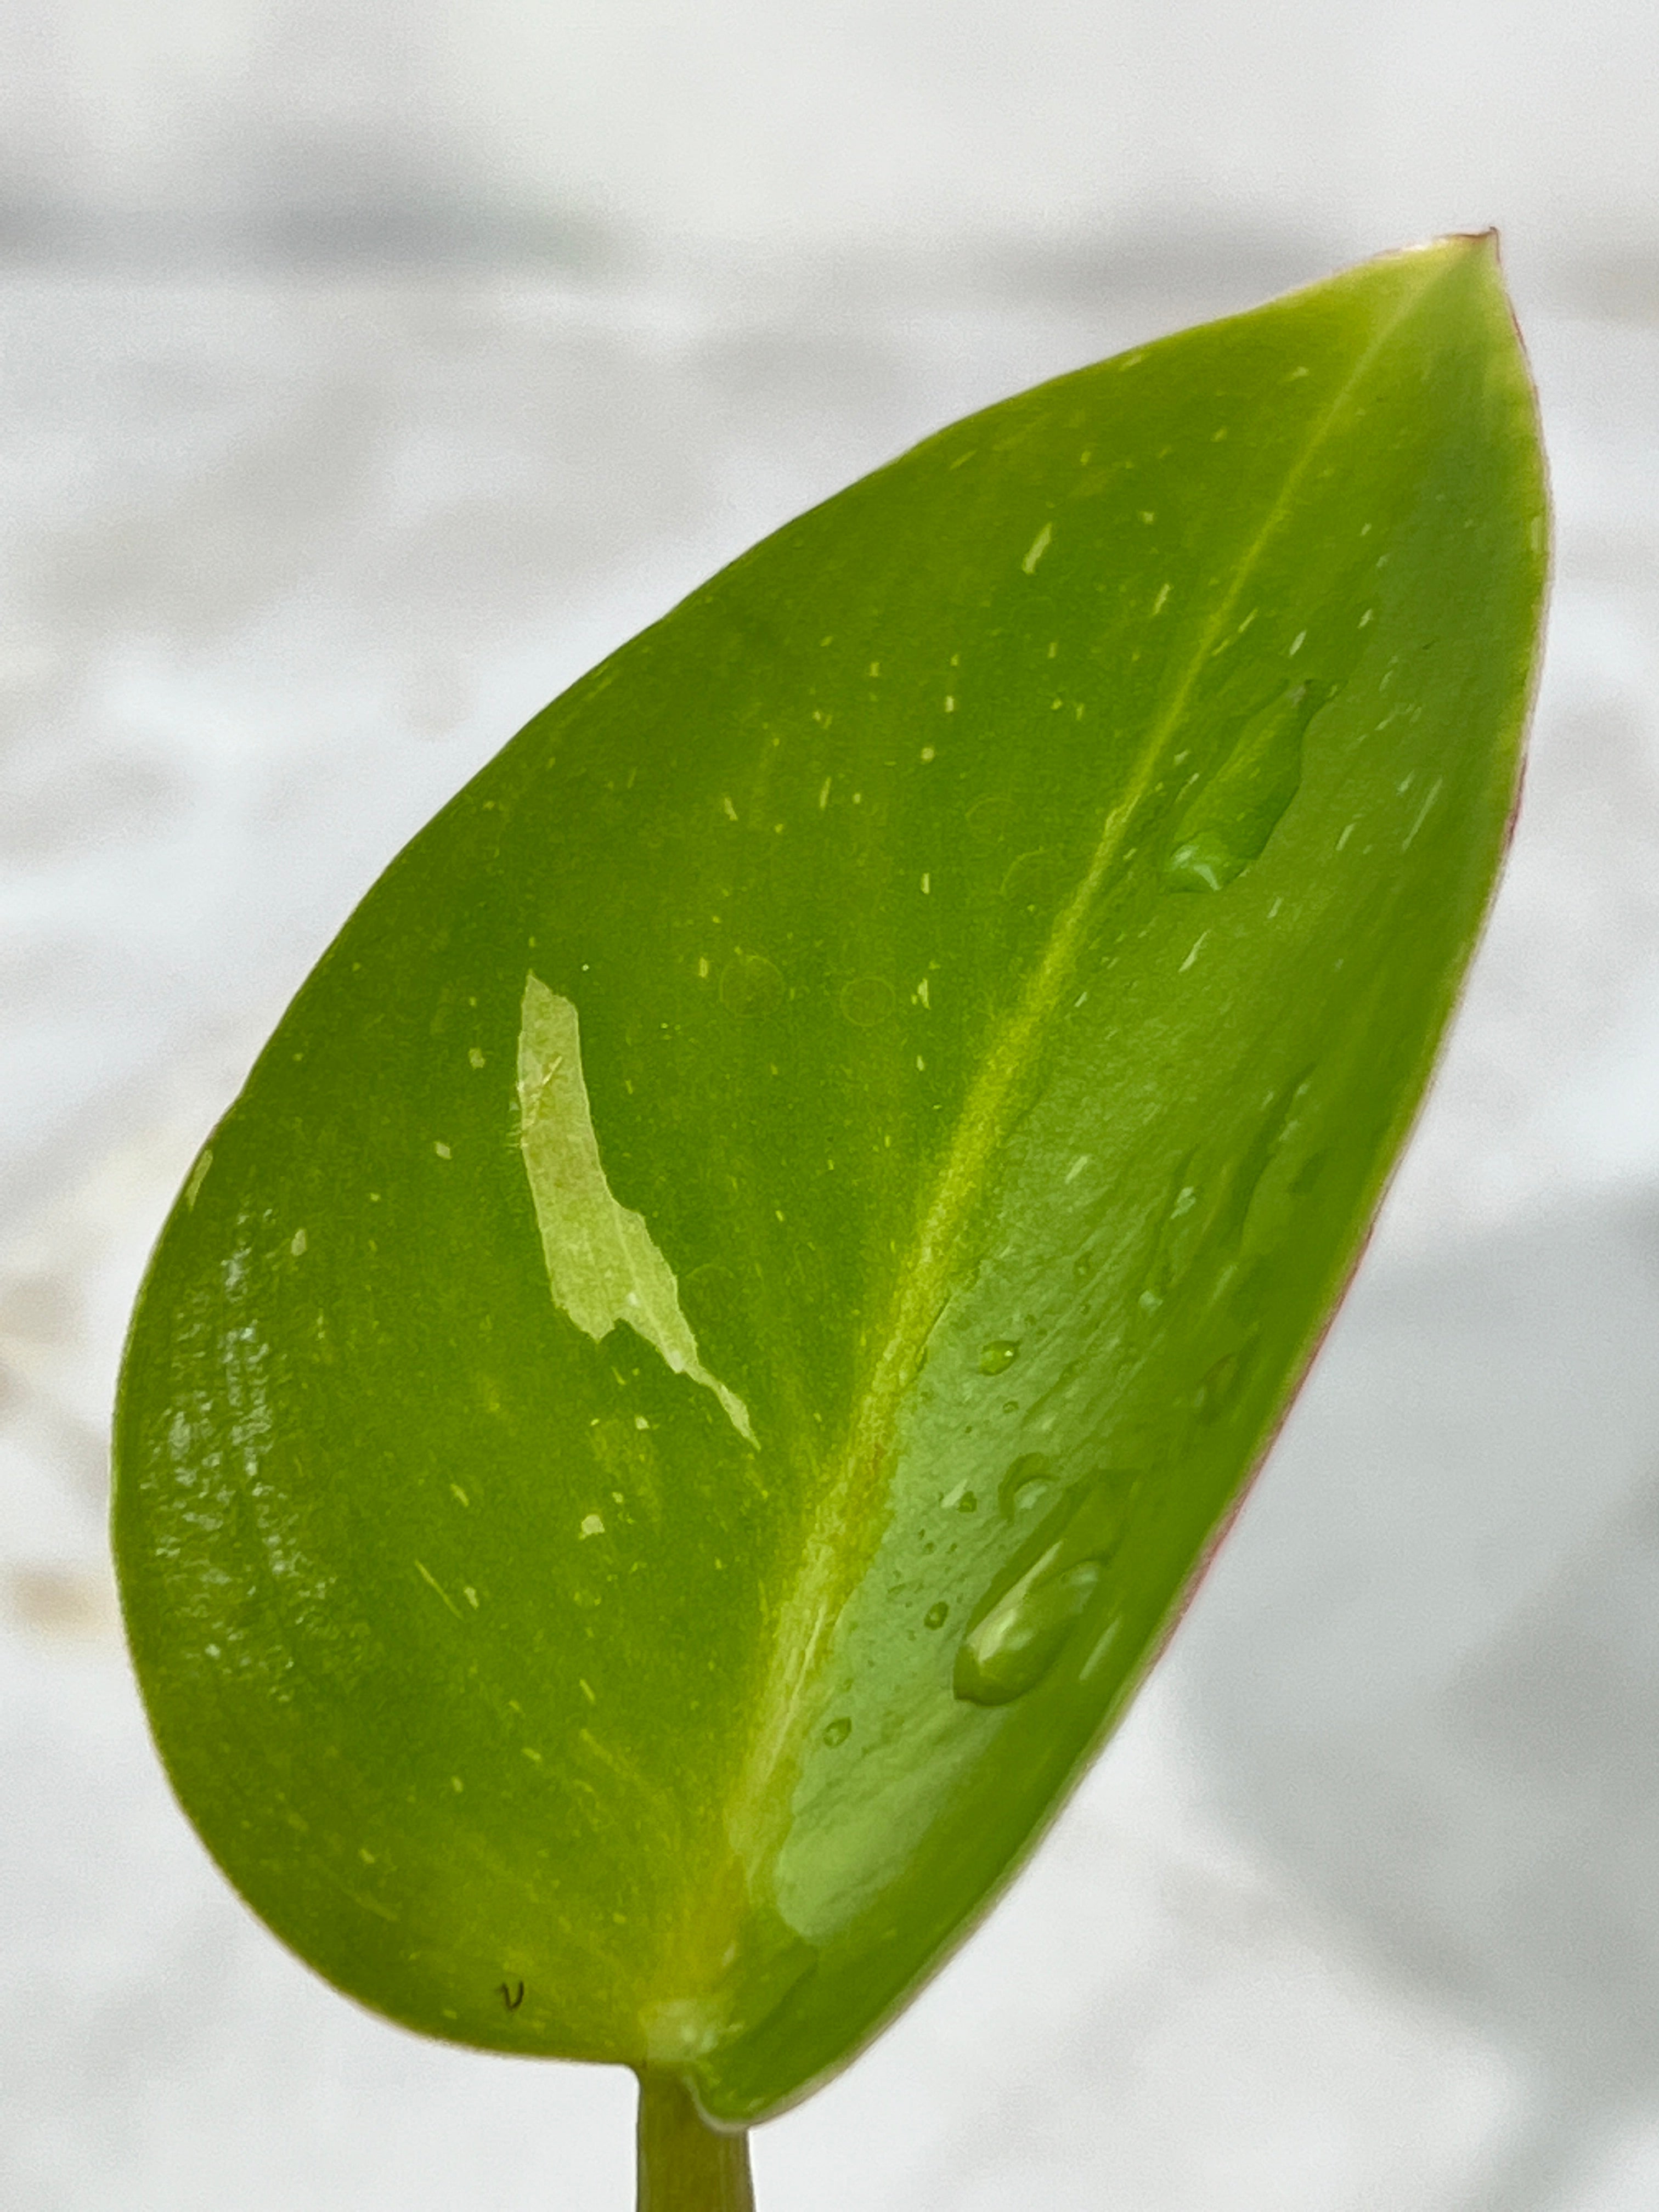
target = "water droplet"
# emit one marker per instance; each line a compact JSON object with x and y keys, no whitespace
{"x":866,"y":1001}
{"x":1259,"y":1187}
{"x":936,"y":1615}
{"x":1033,"y":875}
{"x":998,"y":1355}
{"x":1179,"y":1236}
{"x":837,"y":1732}
{"x":1309,"y":1173}
{"x":1028,"y":1484}
{"x":1227,"y":1203}
{"x":750,"y":985}
{"x":1014,"y":1646}
{"x":1220,"y":1384}
{"x":967,"y":1502}
{"x":1021,"y":1625}
{"x":990,"y":820}
{"x":1229,"y":820}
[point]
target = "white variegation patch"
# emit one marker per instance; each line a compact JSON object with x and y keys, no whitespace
{"x":602,"y":1265}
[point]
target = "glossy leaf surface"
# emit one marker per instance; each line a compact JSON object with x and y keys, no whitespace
{"x":679,"y":1401}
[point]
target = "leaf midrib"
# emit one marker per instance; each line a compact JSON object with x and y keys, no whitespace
{"x":830,"y":1564}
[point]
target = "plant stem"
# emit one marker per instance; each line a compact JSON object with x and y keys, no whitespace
{"x":685,"y":2165}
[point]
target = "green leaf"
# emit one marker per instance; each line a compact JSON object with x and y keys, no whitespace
{"x":685,"y":1395}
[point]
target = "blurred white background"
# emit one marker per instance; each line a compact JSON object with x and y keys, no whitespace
{"x":369,"y":372}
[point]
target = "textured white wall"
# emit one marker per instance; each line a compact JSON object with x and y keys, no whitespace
{"x":865,"y":122}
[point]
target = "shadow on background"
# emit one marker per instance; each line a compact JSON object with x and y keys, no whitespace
{"x":1426,"y":1671}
